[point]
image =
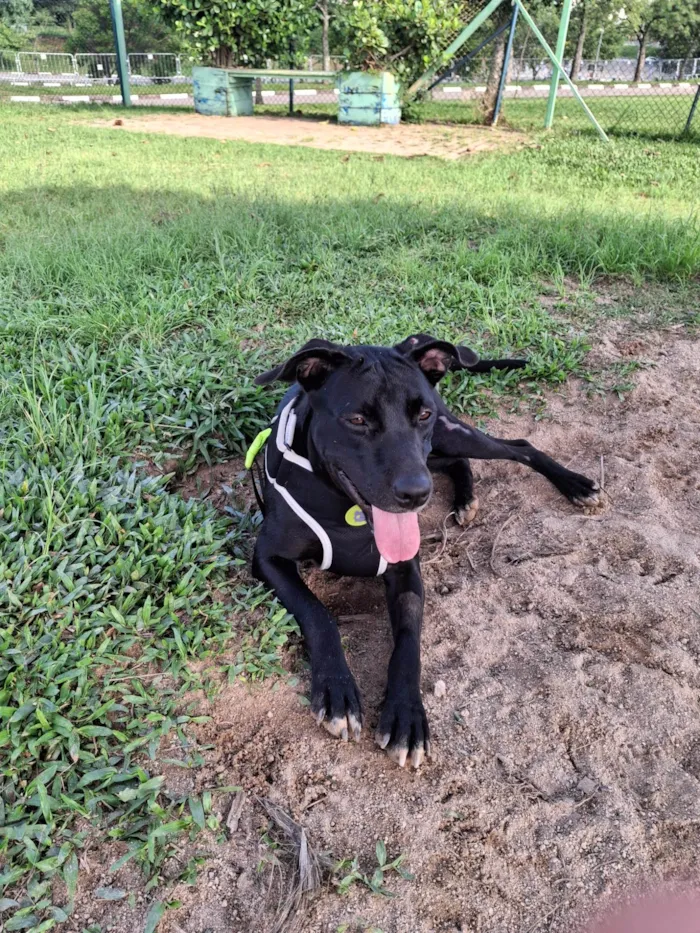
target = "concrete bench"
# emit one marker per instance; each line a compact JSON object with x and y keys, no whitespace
{"x":228,"y":92}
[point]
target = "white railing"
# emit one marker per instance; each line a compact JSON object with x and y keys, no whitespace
{"x":98,"y":66}
{"x":155,"y":65}
{"x":9,"y":63}
{"x":612,"y":70}
{"x":45,"y":64}
{"x":93,"y":66}
{"x":166,"y":67}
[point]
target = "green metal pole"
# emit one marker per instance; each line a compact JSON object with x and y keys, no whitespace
{"x":561,"y":45}
{"x":456,"y":44}
{"x":693,"y":108}
{"x":115,"y":7}
{"x":557,"y":64}
{"x":506,"y":63}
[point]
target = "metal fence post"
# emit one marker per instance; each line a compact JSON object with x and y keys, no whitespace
{"x":557,"y":64}
{"x":115,"y":7}
{"x":693,"y":108}
{"x":559,"y":51}
{"x":504,"y":69}
{"x":597,"y":54}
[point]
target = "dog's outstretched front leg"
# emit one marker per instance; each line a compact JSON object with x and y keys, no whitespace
{"x":403,"y":726}
{"x":452,"y":438}
{"x":335,"y":699}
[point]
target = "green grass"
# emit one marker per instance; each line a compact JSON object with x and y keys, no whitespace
{"x":647,"y":115}
{"x":144,"y":282}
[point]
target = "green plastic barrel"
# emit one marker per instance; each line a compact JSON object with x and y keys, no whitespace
{"x":367,"y":98}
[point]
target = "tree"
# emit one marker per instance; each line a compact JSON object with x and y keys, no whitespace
{"x":60,"y":11}
{"x":144,"y":28}
{"x":323,"y":6}
{"x":581,"y":15}
{"x":11,"y":40}
{"x":16,"y":14}
{"x":241,"y":32}
{"x":402,"y":36}
{"x":679,"y":31}
{"x":594,"y":22}
{"x":650,"y":17}
{"x":488,"y":101}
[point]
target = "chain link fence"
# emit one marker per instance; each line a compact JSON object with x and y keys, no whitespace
{"x":657,"y":99}
{"x":659,"y":103}
{"x":155,"y":79}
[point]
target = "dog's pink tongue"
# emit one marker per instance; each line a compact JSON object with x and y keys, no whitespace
{"x":397,"y":534}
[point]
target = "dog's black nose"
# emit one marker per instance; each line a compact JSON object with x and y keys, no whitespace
{"x":412,"y":490}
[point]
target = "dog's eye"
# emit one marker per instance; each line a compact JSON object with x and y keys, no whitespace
{"x":357,"y":419}
{"x":425,"y":414}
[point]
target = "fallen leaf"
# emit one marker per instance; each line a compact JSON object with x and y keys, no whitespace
{"x":110,"y":894}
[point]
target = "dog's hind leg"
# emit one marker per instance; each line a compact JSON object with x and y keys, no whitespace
{"x":465,"y":503}
{"x":452,"y":438}
{"x":335,"y":699}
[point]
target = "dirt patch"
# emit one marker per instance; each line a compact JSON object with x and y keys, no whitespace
{"x":218,"y":483}
{"x":408,"y":140}
{"x":568,"y":741}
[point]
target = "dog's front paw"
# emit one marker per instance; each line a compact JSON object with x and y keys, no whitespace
{"x":336,"y":704}
{"x":465,"y":514}
{"x":583,"y":492}
{"x":403,"y":728}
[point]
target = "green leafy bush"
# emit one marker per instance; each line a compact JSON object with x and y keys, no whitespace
{"x":231,"y":32}
{"x":402,"y":36}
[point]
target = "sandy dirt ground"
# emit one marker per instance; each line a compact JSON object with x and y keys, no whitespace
{"x":409,"y":140}
{"x":567,"y":763}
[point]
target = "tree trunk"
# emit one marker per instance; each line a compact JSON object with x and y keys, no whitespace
{"x":488,"y":104}
{"x":223,"y":57}
{"x":641,"y":59}
{"x":325,"y":23}
{"x":258,"y":91}
{"x":523,"y":53}
{"x":578,"y":52}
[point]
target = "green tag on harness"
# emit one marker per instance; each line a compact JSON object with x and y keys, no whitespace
{"x":256,"y":447}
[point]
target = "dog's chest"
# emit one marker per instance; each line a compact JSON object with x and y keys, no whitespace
{"x":346,"y":539}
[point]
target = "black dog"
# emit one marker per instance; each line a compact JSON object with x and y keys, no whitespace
{"x":347,"y":468}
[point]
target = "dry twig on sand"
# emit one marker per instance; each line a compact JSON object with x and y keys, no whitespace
{"x":306,"y":872}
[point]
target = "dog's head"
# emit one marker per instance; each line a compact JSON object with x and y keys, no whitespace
{"x":373,"y":413}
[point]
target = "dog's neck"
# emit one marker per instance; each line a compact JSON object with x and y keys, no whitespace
{"x":303,"y":444}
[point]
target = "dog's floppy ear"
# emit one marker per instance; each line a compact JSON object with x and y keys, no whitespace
{"x":310,"y":366}
{"x":436,"y":357}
